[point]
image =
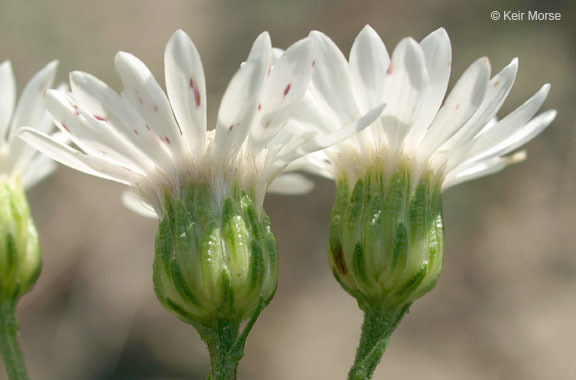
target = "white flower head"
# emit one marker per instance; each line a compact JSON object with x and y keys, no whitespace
{"x":155,"y":142}
{"x":18,"y":160}
{"x":458,"y":138}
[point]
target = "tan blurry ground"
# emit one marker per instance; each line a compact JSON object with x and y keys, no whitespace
{"x":505,"y":305}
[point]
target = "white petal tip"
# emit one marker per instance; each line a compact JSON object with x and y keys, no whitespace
{"x":517,"y":157}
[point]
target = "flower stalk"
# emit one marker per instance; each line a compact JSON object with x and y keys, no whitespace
{"x":379,"y":324}
{"x":9,"y":346}
{"x":216,"y":267}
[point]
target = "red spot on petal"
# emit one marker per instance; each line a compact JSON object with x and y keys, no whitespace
{"x":101,"y":118}
{"x":167,"y":140}
{"x":267,"y":124}
{"x":103,"y":152}
{"x":140,"y":100}
{"x":194,"y":88}
{"x":155,"y":108}
{"x":497,"y":83}
{"x":136,"y":131}
{"x":457,"y":106}
{"x":287,"y":89}
{"x":65,"y":127}
{"x":313,"y":63}
{"x":259,"y":107}
{"x":76,"y":113}
{"x":390,"y":69}
{"x":230,"y":128}
{"x":148,"y":128}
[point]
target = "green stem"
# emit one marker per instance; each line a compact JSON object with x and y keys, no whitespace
{"x":224,"y":358}
{"x":9,"y":347}
{"x":379,"y":324}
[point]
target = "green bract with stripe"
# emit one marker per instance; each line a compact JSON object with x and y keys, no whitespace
{"x":215,"y":260}
{"x":20,"y":253}
{"x":386,"y":237}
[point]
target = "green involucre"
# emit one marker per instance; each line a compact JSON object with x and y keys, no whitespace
{"x":214,"y":262}
{"x":20,"y":253}
{"x":386,"y":236}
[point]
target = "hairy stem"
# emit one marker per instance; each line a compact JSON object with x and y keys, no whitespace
{"x":9,"y":346}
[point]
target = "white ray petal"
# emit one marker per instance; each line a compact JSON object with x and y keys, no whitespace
{"x":145,"y":94}
{"x":186,"y":89}
{"x":312,"y":142}
{"x":438,"y":55}
{"x":76,"y":159}
{"x":483,"y":149}
{"x":106,"y":105}
{"x":462,"y":103}
{"x":31,"y":108}
{"x":481,"y":169}
{"x":331,"y":79}
{"x":281,"y":93}
{"x":91,"y":135}
{"x":40,"y":166}
{"x":369,"y":61}
{"x":133,"y":202}
{"x":7,"y":97}
{"x":496,"y":92}
{"x":240,"y":101}
{"x":405,"y":84}
{"x":291,"y":184}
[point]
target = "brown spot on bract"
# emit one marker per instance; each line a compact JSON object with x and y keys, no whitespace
{"x":457,"y":106}
{"x":167,"y":140}
{"x":148,"y":128}
{"x":65,"y":127}
{"x":497,"y":83}
{"x":339,"y":261}
{"x":136,"y":131}
{"x":313,"y":63}
{"x":140,"y":100}
{"x":155,"y":108}
{"x":259,"y":107}
{"x":230,"y":128}
{"x":287,"y":89}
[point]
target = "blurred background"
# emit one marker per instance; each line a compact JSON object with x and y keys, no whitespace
{"x":504,"y":307}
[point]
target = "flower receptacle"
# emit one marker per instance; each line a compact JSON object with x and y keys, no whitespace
{"x":215,"y":261}
{"x":386,"y":236}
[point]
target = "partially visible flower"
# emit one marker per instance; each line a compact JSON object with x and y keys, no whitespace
{"x":386,"y":236}
{"x":18,"y":160}
{"x":216,"y":257}
{"x":21,"y":167}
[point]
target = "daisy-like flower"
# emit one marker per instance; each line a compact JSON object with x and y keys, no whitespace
{"x":386,"y":237}
{"x":216,"y":257}
{"x":21,"y":167}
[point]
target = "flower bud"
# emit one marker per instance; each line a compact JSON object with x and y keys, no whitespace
{"x":214,"y":260}
{"x":386,"y":236}
{"x":20,"y":253}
